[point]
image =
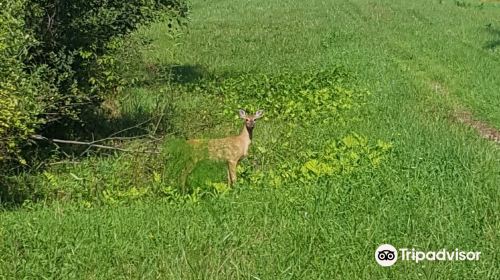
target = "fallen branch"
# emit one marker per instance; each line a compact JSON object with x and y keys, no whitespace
{"x":132,"y":127}
{"x":89,"y":144}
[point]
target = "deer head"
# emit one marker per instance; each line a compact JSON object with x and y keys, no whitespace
{"x":250,"y":119}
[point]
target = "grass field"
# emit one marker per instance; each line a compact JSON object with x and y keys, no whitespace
{"x":389,"y":162}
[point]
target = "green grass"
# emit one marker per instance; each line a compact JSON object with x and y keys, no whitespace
{"x":437,"y":187}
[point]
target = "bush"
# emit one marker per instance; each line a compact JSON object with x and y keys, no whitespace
{"x":75,"y":39}
{"x":18,"y":89}
{"x":56,"y":59}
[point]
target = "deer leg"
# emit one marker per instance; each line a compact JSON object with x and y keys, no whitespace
{"x":228,"y":174}
{"x":183,"y":179}
{"x":188,"y":168}
{"x":232,"y":171}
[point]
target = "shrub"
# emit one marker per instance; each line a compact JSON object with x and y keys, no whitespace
{"x":18,"y":89}
{"x":74,"y":40}
{"x":56,"y":59}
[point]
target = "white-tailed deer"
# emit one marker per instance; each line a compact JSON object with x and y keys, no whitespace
{"x":230,"y":149}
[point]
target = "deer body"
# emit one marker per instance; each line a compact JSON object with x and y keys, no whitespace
{"x":230,"y":149}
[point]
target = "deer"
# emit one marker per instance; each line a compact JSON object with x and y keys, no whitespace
{"x":229,"y":149}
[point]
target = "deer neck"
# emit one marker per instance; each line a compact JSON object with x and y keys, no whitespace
{"x":246,"y":132}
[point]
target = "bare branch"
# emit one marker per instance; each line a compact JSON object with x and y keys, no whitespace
{"x":63,"y":162}
{"x":90,"y":144}
{"x":129,"y":128}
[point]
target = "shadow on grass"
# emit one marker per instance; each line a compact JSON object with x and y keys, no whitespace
{"x":492,"y":44}
{"x":174,"y":74}
{"x":138,"y":133}
{"x":183,"y":74}
{"x":109,"y":125}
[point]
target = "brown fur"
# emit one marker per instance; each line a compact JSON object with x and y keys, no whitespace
{"x":230,"y":149}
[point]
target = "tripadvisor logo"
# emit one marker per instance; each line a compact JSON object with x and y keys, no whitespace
{"x":387,"y":255}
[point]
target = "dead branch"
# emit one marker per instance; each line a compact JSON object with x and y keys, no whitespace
{"x":90,"y":144}
{"x":132,"y":127}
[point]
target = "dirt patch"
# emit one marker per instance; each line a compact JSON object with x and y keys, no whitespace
{"x":466,"y":117}
{"x":484,"y":129}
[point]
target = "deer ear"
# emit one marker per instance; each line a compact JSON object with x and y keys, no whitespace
{"x":259,"y":114}
{"x":242,"y":114}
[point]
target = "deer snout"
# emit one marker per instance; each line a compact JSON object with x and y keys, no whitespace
{"x":250,"y":123}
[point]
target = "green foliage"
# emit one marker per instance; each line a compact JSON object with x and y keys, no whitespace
{"x":345,"y":156}
{"x":185,"y":165}
{"x":18,"y":90}
{"x":59,"y":58}
{"x":122,"y":179}
{"x":308,"y":96}
{"x":76,"y":42}
{"x":93,"y":182}
{"x":333,"y":159}
{"x":279,"y":140}
{"x":301,"y":110}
